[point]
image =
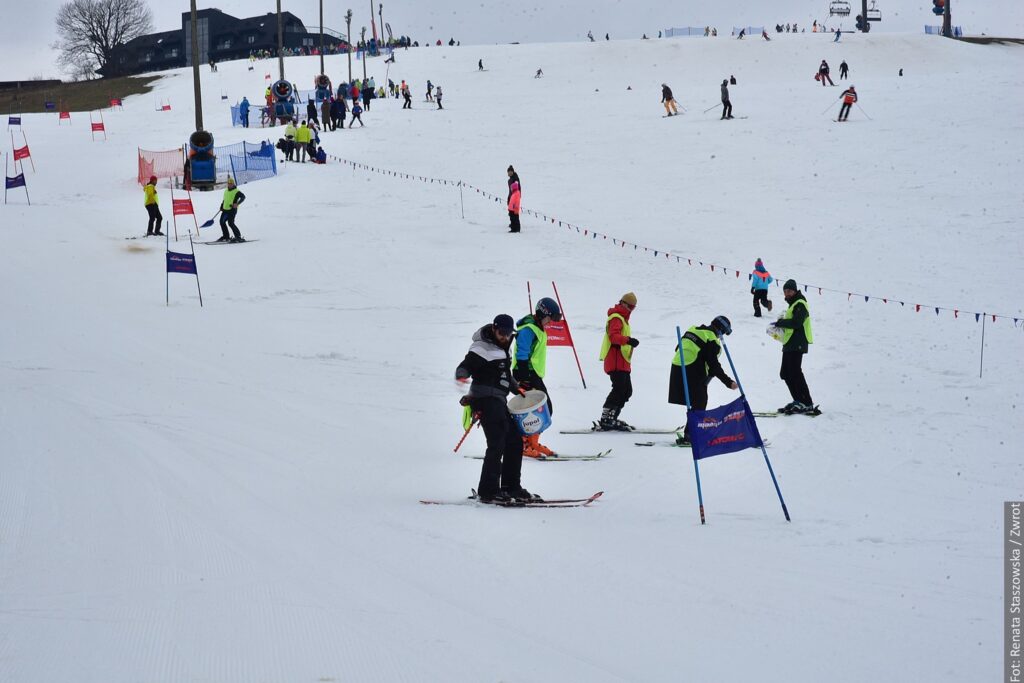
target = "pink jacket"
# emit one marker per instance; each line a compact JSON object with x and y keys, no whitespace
{"x":513,"y":201}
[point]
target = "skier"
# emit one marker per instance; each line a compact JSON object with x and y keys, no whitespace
{"x":759,"y":281}
{"x":152,"y":202}
{"x":668,"y":100}
{"x":844,"y":69}
{"x":701,"y":349}
{"x":823,"y":73}
{"x":367,"y":96}
{"x":539,"y":74}
{"x":228,"y":209}
{"x":529,"y":362}
{"x":407,"y":94}
{"x":439,"y":96}
{"x":849,"y":97}
{"x":617,"y":353}
{"x":430,"y":90}
{"x":357,"y":112}
{"x":764,"y":34}
{"x":243,"y":112}
{"x":513,"y":179}
{"x":732,"y":80}
{"x":302,"y":137}
{"x":288,"y":148}
{"x":590,"y":34}
{"x":796,"y":340}
{"x":726,"y":104}
{"x":839,"y":35}
{"x":606,"y":37}
{"x":487,"y":370}
{"x":480,"y":65}
{"x":743,"y":32}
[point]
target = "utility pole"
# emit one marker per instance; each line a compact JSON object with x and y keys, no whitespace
{"x":195,"y":70}
{"x":322,"y":37}
{"x":363,"y":41}
{"x":947,"y":22}
{"x":380,"y":15}
{"x":280,"y":42}
{"x":348,"y":38}
{"x":864,"y":15}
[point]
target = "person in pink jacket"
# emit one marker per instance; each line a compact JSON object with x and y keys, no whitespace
{"x":514,"y":195}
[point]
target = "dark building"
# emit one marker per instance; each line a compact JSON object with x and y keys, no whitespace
{"x":221,"y":37}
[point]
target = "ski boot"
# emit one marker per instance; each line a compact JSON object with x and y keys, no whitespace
{"x":517,"y":494}
{"x":532,"y":448}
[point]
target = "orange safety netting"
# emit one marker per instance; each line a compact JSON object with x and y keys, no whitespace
{"x":160,"y":164}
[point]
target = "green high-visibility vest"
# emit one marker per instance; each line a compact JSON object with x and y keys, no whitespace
{"x":606,"y":345}
{"x":690,"y":350}
{"x":229,"y":198}
{"x":787,"y":332}
{"x":539,"y":352}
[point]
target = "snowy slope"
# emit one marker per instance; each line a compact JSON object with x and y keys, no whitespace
{"x":229,"y":493}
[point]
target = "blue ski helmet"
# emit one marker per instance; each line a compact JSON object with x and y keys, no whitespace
{"x":549,"y":307}
{"x":721,"y":325}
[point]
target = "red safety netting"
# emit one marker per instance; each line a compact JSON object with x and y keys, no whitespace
{"x":167,"y":164}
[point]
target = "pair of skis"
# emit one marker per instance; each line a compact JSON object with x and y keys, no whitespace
{"x":538,"y":503}
{"x":555,"y":458}
{"x":595,"y":428}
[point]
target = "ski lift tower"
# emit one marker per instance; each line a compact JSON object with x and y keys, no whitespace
{"x":868,"y":14}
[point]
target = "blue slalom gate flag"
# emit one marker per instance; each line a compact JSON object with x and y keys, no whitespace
{"x":725,"y":429}
{"x":181,"y":263}
{"x":16,"y":181}
{"x":13,"y":120}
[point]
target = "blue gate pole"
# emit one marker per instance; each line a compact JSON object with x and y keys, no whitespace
{"x":764,"y":451}
{"x":686,"y":392}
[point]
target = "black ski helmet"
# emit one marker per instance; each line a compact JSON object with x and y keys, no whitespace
{"x":549,"y":307}
{"x":721,"y":325}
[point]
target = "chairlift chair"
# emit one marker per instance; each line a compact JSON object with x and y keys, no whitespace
{"x":873,"y":13}
{"x":839,"y":8}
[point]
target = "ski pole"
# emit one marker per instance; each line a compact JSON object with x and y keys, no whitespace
{"x":829,"y":107}
{"x":864,"y":112}
{"x":710,"y":108}
{"x":476,"y":419}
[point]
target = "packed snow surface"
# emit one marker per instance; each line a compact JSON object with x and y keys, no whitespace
{"x":230,"y":493}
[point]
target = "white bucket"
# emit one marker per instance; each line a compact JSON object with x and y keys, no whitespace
{"x":531,"y":412}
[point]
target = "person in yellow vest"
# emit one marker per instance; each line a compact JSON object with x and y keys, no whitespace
{"x":302,"y":137}
{"x":617,"y":354}
{"x":701,"y":349}
{"x":529,"y":362}
{"x":796,"y":340}
{"x":152,"y":201}
{"x":228,"y":209}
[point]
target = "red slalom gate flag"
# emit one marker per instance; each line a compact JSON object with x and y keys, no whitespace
{"x":21,"y":153}
{"x":182,"y":207}
{"x":558,"y":334}
{"x":97,"y":127}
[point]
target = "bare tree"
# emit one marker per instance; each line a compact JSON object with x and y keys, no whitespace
{"x":89,"y":30}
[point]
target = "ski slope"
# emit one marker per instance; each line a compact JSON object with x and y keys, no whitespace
{"x":230,"y":493}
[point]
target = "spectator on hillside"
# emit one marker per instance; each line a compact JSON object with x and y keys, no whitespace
{"x":243,"y":112}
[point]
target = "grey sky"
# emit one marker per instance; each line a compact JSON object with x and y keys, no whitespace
{"x":24,"y":41}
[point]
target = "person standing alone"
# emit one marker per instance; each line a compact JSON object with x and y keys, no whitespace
{"x":228,"y":210}
{"x":796,"y":340}
{"x":726,"y":104}
{"x":152,"y":201}
{"x":844,"y":69}
{"x":514,"y":191}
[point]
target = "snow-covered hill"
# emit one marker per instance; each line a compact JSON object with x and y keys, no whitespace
{"x":229,"y":493}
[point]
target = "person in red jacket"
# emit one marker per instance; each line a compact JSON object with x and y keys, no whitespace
{"x":849,"y":97}
{"x":617,"y":353}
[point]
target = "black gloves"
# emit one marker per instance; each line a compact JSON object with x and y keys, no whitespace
{"x":634,"y":342}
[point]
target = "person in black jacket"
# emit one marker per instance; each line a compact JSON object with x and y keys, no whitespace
{"x":726,"y":104}
{"x":797,"y":337}
{"x":701,"y":349}
{"x":668,"y":100}
{"x":513,"y":177}
{"x":487,"y":369}
{"x":339,"y":112}
{"x":311,"y":111}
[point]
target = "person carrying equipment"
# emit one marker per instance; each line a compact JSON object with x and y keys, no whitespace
{"x":228,"y":209}
{"x":529,"y":362}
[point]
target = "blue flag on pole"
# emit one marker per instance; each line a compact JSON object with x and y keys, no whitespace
{"x":13,"y":120}
{"x":16,"y":181}
{"x":181,"y":263}
{"x":725,"y":429}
